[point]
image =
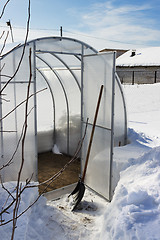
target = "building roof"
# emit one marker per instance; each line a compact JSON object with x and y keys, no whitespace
{"x":140,"y":57}
{"x":119,"y":52}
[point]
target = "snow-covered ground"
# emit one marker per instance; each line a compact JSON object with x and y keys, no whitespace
{"x":134,"y":212}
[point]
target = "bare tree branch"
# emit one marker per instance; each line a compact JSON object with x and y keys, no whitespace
{"x":24,"y":47}
{"x":2,"y":34}
{"x":4,"y":43}
{"x":18,"y":188}
{"x":9,"y":131}
{"x":9,"y":193}
{"x":4,"y":7}
{"x":50,"y":181}
{"x":21,"y":103}
{"x":18,"y":45}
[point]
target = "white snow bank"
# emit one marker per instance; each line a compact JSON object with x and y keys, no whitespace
{"x":37,"y":223}
{"x":28,"y":196}
{"x":143,"y":110}
{"x":135,"y":210}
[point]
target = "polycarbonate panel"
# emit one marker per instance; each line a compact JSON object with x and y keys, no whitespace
{"x":98,"y":70}
{"x":7,"y":66}
{"x":98,"y":171}
{"x":58,"y":45}
{"x":44,"y":109}
{"x":65,"y":87}
{"x":48,"y":58}
{"x":72,"y":61}
{"x":61,"y":109}
{"x":63,"y":45}
{"x":13,"y":126}
{"x":12,"y":62}
{"x":74,"y":100}
{"x":120,"y":121}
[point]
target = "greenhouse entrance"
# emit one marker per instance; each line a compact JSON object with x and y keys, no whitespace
{"x":66,"y":79}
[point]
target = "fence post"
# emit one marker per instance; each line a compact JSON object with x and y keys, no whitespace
{"x":133,"y":78}
{"x":155,"y":77}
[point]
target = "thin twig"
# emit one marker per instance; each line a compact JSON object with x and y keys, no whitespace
{"x":2,"y":67}
{"x":18,"y":188}
{"x":33,"y":94}
{"x":18,"y":45}
{"x":23,"y":51}
{"x":9,"y":131}
{"x":56,"y":175}
{"x":5,"y":100}
{"x":3,"y":10}
{"x":20,"y":138}
{"x":9,"y":193}
{"x":4,"y":43}
{"x":79,"y":147}
{"x":10,"y":161}
{"x":2,"y":34}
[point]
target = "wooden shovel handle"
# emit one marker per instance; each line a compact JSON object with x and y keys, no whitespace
{"x":92,"y":133}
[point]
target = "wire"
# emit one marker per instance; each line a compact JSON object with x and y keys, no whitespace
{"x":108,"y":40}
{"x":85,"y":35}
{"x":43,"y":29}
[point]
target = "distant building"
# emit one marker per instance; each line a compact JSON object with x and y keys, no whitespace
{"x":118,"y":51}
{"x":139,"y":66}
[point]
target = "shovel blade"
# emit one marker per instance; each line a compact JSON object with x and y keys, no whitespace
{"x":79,"y":191}
{"x":76,"y":188}
{"x":79,"y":195}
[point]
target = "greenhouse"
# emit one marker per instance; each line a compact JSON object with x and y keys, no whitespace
{"x":65,"y":78}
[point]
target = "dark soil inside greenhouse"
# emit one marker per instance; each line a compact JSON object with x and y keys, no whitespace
{"x":49,"y":164}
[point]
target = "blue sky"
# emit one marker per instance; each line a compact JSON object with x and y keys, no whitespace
{"x":102,"y":24}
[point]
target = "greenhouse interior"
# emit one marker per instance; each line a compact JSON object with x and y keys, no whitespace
{"x":62,"y":77}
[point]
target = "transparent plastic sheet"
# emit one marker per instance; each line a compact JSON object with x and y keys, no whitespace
{"x":63,"y":45}
{"x":63,"y":74}
{"x":98,"y":170}
{"x":13,"y":126}
{"x":120,"y":121}
{"x":60,"y":61}
{"x":93,"y":79}
{"x":99,"y":166}
{"x":74,"y":100}
{"x":59,"y":71}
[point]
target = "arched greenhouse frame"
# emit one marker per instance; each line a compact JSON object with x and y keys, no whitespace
{"x":72,"y":73}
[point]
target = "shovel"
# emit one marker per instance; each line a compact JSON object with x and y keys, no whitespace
{"x":80,"y":187}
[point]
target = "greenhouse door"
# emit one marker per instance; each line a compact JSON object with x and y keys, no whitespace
{"x":99,"y":69}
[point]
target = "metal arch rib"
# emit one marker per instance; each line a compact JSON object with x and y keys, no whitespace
{"x":124,"y":104}
{"x":54,"y":112}
{"x":68,"y":69}
{"x":65,"y":94}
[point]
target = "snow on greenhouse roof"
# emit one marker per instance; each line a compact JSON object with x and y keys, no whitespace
{"x":140,"y":57}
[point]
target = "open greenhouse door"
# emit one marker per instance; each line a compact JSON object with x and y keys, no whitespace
{"x":99,"y":69}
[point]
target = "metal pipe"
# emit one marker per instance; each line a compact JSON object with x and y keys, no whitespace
{"x":112,"y":124}
{"x":125,"y":108}
{"x":61,"y":33}
{"x":35,"y":109}
{"x":68,"y":69}
{"x":82,"y":72}
{"x":1,"y":122}
{"x":66,"y":53}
